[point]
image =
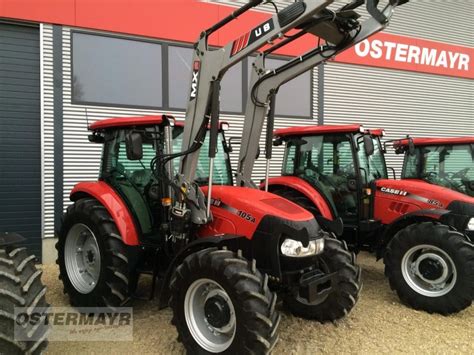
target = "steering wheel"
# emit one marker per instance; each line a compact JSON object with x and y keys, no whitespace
{"x":347,"y":169}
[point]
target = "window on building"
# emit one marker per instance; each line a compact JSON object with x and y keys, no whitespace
{"x":179,"y":77}
{"x":294,"y":97}
{"x":115,"y":71}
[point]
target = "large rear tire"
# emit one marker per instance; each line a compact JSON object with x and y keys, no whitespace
{"x":21,"y":286}
{"x":92,"y":257}
{"x":342,"y":296}
{"x":431,"y":267}
{"x":222,"y":303}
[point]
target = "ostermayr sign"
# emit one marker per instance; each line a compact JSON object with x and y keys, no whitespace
{"x":406,"y":53}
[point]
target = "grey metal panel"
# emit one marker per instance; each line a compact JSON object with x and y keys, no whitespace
{"x":401,"y":102}
{"x":20,"y":134}
{"x":48,"y":131}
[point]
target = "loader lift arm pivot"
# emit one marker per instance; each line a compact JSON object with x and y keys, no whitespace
{"x":341,"y":30}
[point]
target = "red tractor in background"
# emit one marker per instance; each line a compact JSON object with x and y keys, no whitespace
{"x":424,"y":232}
{"x":447,"y":162}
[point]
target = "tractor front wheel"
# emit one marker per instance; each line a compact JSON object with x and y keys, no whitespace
{"x":92,"y":258}
{"x":222,"y":303}
{"x":340,"y":297}
{"x":431,"y":267}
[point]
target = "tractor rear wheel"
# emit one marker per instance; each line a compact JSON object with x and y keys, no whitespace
{"x":222,"y":303}
{"x":341,"y":296}
{"x":431,"y":267}
{"x":21,"y":286}
{"x":92,"y":258}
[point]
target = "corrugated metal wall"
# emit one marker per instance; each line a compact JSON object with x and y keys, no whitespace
{"x":48,"y":131}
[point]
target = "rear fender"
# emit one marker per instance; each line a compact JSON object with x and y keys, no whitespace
{"x":116,"y":207}
{"x":306,"y":189}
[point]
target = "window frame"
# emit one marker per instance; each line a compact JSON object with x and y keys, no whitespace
{"x":165,"y":75}
{"x":129,"y":38}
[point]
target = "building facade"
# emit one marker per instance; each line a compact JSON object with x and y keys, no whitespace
{"x":64,"y":65}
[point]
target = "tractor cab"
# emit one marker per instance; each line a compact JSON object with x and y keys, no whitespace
{"x":447,"y":162}
{"x":341,"y":162}
{"x":131,"y":147}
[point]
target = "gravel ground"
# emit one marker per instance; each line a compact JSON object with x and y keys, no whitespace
{"x":378,"y":324}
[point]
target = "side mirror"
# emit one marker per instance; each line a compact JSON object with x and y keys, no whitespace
{"x":277,"y":142}
{"x":411,"y":147}
{"x":134,"y":146}
{"x":96,"y":138}
{"x":368,"y":145}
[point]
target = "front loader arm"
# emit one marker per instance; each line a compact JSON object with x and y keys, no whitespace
{"x":264,"y":84}
{"x":208,"y":68}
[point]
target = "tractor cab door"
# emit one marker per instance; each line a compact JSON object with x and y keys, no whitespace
{"x":327,"y":163}
{"x":371,"y":167}
{"x":131,"y":177}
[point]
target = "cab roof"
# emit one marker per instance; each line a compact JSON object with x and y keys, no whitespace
{"x":325,"y":129}
{"x":138,"y":121}
{"x":126,"y":122}
{"x":434,"y":141}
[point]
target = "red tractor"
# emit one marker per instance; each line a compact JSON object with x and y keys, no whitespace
{"x":424,"y":232}
{"x":220,"y":278}
{"x":220,"y":251}
{"x":447,"y":162}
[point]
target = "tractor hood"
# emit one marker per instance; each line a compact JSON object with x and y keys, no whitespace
{"x":244,"y":211}
{"x":423,"y":194}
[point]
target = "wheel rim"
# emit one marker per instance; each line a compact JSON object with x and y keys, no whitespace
{"x":429,"y":270}
{"x":210,"y":315}
{"x":82,"y":258}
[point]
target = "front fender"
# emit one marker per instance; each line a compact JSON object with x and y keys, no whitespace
{"x":398,"y":224}
{"x":116,"y":207}
{"x":306,"y":189}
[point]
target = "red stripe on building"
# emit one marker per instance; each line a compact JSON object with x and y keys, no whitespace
{"x":184,"y":20}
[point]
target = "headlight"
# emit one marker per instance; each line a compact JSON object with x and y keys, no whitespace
{"x":470,"y":224}
{"x":294,"y":248}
